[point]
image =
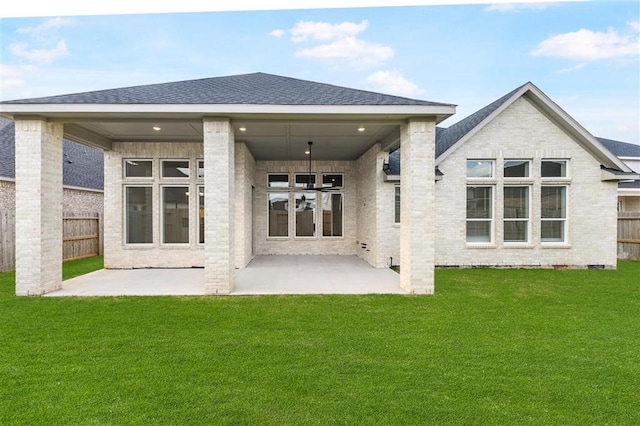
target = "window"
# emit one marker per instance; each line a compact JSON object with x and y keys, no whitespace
{"x":516,"y":214}
{"x":278,"y":181}
{"x":397,"y":204}
{"x":200,"y":169}
{"x":175,"y":168}
{"x":516,"y":168}
{"x":553,"y":168}
{"x":332,"y":181}
{"x":305,"y":181}
{"x":480,"y":168}
{"x":305,"y":214}
{"x":175,"y":214}
{"x":135,"y":168}
{"x":201,"y":214}
{"x":278,"y":214}
{"x":479,"y":214}
{"x":331,"y":214}
{"x":139,"y":219}
{"x":553,"y":214}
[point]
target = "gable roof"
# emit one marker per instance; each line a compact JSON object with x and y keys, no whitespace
{"x":82,"y":166}
{"x":460,"y":132}
{"x":254,"y":89}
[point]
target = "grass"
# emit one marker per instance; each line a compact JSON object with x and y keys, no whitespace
{"x":538,"y":347}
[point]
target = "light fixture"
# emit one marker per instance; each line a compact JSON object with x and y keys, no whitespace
{"x":361,"y":129}
{"x":157,"y":128}
{"x":242,"y":129}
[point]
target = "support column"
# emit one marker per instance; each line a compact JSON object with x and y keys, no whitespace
{"x":417,"y":210}
{"x":38,"y":207}
{"x":219,"y":175}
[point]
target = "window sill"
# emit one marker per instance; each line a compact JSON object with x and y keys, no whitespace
{"x":518,"y":246}
{"x":555,"y":246}
{"x":480,"y":246}
{"x":145,"y":246}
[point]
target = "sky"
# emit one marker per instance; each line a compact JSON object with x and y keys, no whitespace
{"x":585,"y":55}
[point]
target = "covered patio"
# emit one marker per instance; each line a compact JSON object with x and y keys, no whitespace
{"x":264,"y":275}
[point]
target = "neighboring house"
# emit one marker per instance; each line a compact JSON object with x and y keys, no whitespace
{"x":83,"y":174}
{"x":518,"y":183}
{"x":628,"y":191}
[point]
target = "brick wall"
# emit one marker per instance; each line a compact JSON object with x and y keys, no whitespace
{"x":522,"y":132}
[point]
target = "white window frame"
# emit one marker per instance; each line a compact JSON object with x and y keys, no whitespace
{"x":322,"y":175}
{"x":567,"y":175}
{"x":476,"y":178}
{"x":125,"y":215}
{"x":187,"y":187}
{"x":175,"y":178}
{"x":198,"y":168}
{"x":527,"y":220}
{"x":490,"y":220}
{"x":295,"y":183}
{"x":321,"y":210}
{"x":200,"y":189}
{"x":564,"y":220}
{"x":278,"y":188}
{"x":397,"y":193}
{"x":136,"y":178}
{"x":295,"y":216}
{"x":288,"y":210}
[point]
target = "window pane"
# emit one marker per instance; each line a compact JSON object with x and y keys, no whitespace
{"x":278,"y":181}
{"x":200,"y":169}
{"x":516,"y":231}
{"x":175,"y":214}
{"x":516,"y":168}
{"x":179,"y":168}
{"x":303,"y":181}
{"x":278,"y":214}
{"x":397,"y":207}
{"x":305,"y":214}
{"x":201,"y":214}
{"x":479,"y":168}
{"x":334,"y":180}
{"x":479,"y":231}
{"x":516,"y":202}
{"x":139,"y":215}
{"x":137,"y":168}
{"x":553,"y":202}
{"x":554,"y":168}
{"x":552,"y":231}
{"x":479,"y":202}
{"x":331,"y":215}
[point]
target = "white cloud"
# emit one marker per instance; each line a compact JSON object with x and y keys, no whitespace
{"x":49,"y":24}
{"x":14,"y":77}
{"x":393,"y":82}
{"x":517,"y":7}
{"x":277,"y":33}
{"x":587,"y":45}
{"x":350,"y":50}
{"x":325,"y":31}
{"x":39,"y":56}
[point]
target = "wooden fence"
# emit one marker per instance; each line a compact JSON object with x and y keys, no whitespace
{"x":629,"y":235}
{"x":81,"y":237}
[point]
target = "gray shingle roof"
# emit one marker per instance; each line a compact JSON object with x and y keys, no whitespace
{"x":82,"y":166}
{"x":620,"y":149}
{"x":446,"y":138}
{"x":255,"y":89}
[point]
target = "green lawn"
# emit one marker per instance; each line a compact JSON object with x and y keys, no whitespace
{"x":504,"y":347}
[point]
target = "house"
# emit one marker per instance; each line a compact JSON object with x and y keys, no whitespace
{"x":212,"y":172}
{"x":628,"y":191}
{"x":83,"y":174}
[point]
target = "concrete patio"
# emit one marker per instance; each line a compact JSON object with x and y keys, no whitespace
{"x":264,"y":275}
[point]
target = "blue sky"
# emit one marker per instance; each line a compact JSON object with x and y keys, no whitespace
{"x":584,"y":55}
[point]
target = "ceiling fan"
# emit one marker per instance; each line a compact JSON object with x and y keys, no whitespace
{"x":310,"y":184}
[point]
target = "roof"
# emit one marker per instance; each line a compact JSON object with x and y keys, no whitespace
{"x":254,"y":89}
{"x":621,"y":149}
{"x":82,"y":166}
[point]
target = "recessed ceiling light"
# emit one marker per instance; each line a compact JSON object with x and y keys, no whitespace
{"x":307,"y":152}
{"x":157,"y":128}
{"x":242,"y":129}
{"x":361,"y":129}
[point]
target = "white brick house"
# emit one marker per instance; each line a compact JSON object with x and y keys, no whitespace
{"x":210,"y":173}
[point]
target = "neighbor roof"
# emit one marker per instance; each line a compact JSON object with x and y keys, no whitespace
{"x":621,"y":149}
{"x":82,"y":166}
{"x":254,"y":89}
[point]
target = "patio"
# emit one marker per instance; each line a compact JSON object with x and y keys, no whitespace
{"x":264,"y":275}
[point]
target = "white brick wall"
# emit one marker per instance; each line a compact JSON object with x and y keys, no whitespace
{"x":245,"y":167}
{"x":38,"y":207}
{"x":522,"y":132}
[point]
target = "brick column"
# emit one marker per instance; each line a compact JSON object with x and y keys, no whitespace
{"x":417,"y":210}
{"x":38,"y":207}
{"x":219,"y":174}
